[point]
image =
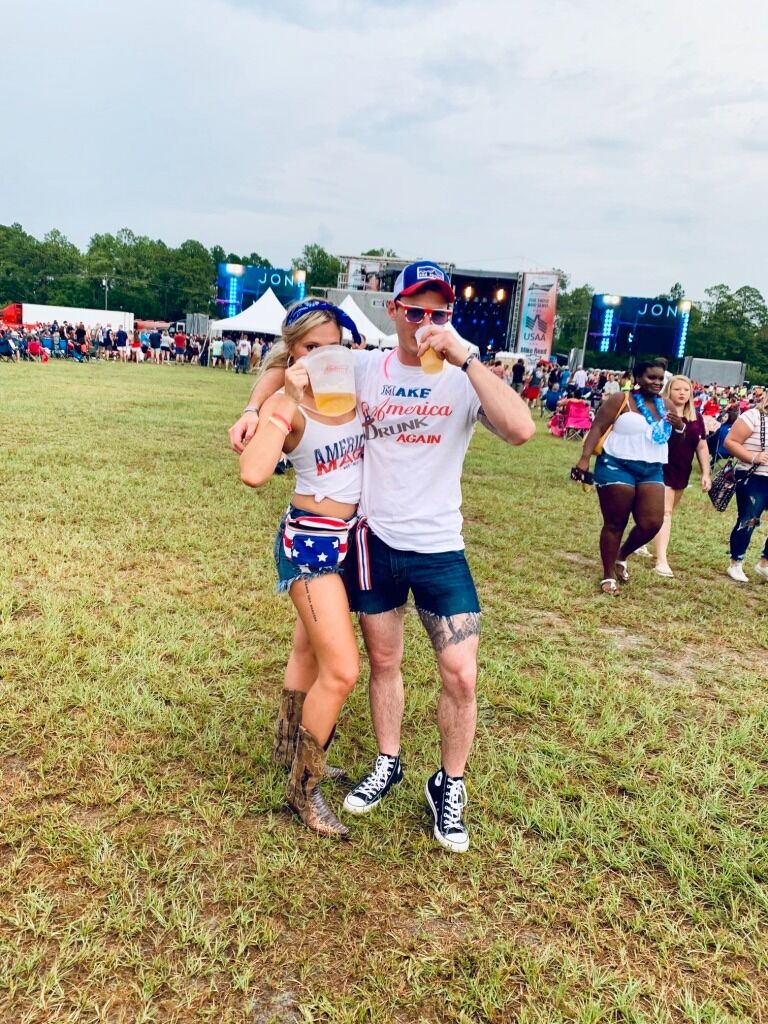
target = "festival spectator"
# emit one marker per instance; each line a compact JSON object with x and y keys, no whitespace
{"x":747,"y":443}
{"x":179,"y":346}
{"x":228,"y":353}
{"x":155,"y":338}
{"x":243,"y":355}
{"x":532,"y":386}
{"x":552,"y":398}
{"x":216,"y":347}
{"x":165,"y":347}
{"x":310,"y":564}
{"x":629,"y":472}
{"x":580,"y":381}
{"x":684,"y":443}
{"x":518,"y":376}
{"x":121,"y":344}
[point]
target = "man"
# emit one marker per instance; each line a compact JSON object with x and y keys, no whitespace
{"x":179,"y":345}
{"x":580,"y":381}
{"x":243,"y":354}
{"x":228,"y":353}
{"x":418,"y":427}
{"x":518,"y":375}
{"x":154,"y":345}
{"x":121,"y":344}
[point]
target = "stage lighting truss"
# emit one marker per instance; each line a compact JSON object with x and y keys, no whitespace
{"x":605,"y":334}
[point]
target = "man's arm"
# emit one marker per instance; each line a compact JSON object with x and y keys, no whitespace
{"x":502,"y":411}
{"x":240,"y":433}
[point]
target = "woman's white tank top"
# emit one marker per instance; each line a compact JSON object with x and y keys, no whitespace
{"x":328,"y":460}
{"x":631,"y":439}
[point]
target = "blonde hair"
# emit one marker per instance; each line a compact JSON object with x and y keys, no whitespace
{"x":291,"y":335}
{"x":762,"y":405}
{"x":689,"y":412}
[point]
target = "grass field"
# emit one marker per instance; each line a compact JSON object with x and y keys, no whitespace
{"x":148,"y":869}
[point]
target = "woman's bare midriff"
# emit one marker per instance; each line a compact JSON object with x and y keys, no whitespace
{"x":326,"y":507}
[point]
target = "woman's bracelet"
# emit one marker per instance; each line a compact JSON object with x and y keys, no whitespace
{"x":250,"y":408}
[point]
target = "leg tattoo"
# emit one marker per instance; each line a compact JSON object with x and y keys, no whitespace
{"x":309,"y":600}
{"x":444,"y":630}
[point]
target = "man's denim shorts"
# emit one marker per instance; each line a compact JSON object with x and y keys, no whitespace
{"x":609,"y":470}
{"x":288,"y":571}
{"x":441,"y":582}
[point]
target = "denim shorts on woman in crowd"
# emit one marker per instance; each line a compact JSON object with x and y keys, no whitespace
{"x":609,"y":470}
{"x":288,"y":572}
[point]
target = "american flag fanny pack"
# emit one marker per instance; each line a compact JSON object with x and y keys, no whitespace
{"x":316,"y":542}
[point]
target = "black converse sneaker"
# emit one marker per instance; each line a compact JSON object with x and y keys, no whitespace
{"x":387,"y":772}
{"x":446,"y":797}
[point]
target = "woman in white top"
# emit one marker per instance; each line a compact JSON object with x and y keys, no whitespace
{"x":746,"y":441}
{"x":310,"y":550}
{"x":629,"y":471}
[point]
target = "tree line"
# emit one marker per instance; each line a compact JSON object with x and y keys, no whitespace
{"x":158,"y":281}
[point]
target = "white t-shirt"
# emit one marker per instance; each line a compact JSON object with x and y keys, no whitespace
{"x":580,"y":378}
{"x":243,"y":347}
{"x":417,"y":428}
{"x":752,"y":418}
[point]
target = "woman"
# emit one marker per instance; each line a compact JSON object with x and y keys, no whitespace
{"x":684,"y":443}
{"x":747,"y":442}
{"x":533,"y":386}
{"x":629,"y":471}
{"x":311,"y":542}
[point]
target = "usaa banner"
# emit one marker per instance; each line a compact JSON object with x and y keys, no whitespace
{"x":536,"y":327}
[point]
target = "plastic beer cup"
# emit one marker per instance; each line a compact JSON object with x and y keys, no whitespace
{"x":331,"y":370}
{"x":431,"y":362}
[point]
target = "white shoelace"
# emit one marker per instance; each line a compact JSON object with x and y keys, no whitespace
{"x":378,"y":777}
{"x":455,"y":800}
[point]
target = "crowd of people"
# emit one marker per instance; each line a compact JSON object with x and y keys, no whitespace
{"x":79,"y":343}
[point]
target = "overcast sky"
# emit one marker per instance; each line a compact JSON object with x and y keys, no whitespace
{"x":625,"y":144}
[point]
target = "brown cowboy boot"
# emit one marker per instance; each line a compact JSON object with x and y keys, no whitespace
{"x":287,"y":732}
{"x":302,"y":790}
{"x":287,"y":728}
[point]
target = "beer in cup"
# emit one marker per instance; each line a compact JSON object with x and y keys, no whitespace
{"x":431,"y":362}
{"x":331,"y":370}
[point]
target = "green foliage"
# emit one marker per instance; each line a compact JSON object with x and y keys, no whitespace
{"x":142,"y":274}
{"x":322,"y":268}
{"x":390,"y":253}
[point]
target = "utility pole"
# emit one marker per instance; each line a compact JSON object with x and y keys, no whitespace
{"x":105,"y":283}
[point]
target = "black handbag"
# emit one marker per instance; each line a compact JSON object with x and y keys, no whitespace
{"x":725,"y":483}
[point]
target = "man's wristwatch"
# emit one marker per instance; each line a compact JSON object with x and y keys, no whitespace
{"x":470,"y":357}
{"x":250,"y":408}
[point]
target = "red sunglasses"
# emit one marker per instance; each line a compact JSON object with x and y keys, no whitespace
{"x":415,"y":314}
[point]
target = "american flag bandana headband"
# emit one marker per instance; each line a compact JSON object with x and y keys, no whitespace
{"x":318,"y":306}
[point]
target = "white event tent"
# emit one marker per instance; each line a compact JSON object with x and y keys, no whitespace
{"x":366,"y":326}
{"x":265,"y":316}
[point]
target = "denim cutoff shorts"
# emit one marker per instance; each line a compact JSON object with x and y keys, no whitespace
{"x":609,"y":470}
{"x":288,"y":572}
{"x":441,"y":582}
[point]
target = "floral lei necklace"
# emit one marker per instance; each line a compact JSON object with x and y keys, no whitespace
{"x":661,"y":429}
